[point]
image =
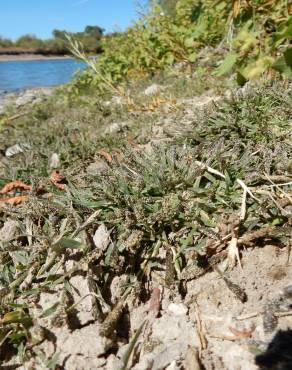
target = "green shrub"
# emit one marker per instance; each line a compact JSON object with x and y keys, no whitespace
{"x":253,"y":37}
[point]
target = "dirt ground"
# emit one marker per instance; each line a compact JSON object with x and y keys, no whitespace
{"x":205,"y":327}
{"x":229,"y":319}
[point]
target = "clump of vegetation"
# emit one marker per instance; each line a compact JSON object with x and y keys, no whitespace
{"x":174,"y":197}
{"x":249,"y":38}
{"x":171,"y":209}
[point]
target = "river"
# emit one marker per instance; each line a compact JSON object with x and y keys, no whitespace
{"x":24,"y":74}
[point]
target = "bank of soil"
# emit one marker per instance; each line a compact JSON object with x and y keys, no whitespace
{"x":222,"y":314}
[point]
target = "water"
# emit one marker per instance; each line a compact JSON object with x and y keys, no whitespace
{"x":20,"y":75}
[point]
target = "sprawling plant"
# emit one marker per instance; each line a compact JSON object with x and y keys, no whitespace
{"x":251,"y":36}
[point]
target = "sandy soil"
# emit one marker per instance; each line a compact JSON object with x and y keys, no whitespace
{"x":21,"y":57}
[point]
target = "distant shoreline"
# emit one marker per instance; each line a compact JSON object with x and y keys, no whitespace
{"x":23,"y":57}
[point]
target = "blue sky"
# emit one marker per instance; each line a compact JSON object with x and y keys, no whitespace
{"x":40,"y":17}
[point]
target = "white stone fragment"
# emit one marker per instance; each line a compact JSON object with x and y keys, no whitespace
{"x":16,"y":149}
{"x":8,"y":231}
{"x":101,"y":238}
{"x":152,"y":90}
{"x":55,"y":160}
{"x":177,"y":309}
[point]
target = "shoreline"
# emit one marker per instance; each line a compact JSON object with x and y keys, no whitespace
{"x":23,"y":97}
{"x":31,"y":57}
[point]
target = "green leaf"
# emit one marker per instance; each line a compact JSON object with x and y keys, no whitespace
{"x":288,"y":56}
{"x":192,"y":57}
{"x":284,"y":63}
{"x":284,"y":31}
{"x":49,"y":311}
{"x":53,"y":362}
{"x":189,"y":42}
{"x":131,"y":346}
{"x":68,"y":243}
{"x":241,"y":80}
{"x":254,"y":70}
{"x":227,"y":64}
{"x":169,"y":59}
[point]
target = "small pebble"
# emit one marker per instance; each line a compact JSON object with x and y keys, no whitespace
{"x":178,"y":309}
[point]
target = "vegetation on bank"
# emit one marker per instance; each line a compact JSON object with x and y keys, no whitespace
{"x":178,"y":189}
{"x":57,"y":45}
{"x":172,"y":193}
{"x":247,"y":38}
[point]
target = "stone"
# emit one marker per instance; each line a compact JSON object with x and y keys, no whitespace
{"x":54,"y":161}
{"x":152,"y":90}
{"x":16,"y":149}
{"x":114,"y":363}
{"x":25,"y":98}
{"x":101,"y":238}
{"x":96,"y":167}
{"x":169,"y":355}
{"x":177,"y":309}
{"x":86,"y":342}
{"x":117,"y":100}
{"x":115,"y":127}
{"x":9,"y":231}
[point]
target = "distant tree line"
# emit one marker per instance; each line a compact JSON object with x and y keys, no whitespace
{"x":57,"y":45}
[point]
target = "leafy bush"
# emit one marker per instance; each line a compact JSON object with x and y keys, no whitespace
{"x":5,"y":43}
{"x":253,"y":36}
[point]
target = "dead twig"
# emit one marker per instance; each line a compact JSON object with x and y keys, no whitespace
{"x":15,"y":116}
{"x":269,"y":231}
{"x":201,"y":330}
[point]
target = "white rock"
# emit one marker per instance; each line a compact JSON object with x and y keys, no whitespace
{"x":79,"y":362}
{"x":113,"y":363}
{"x":177,"y":309}
{"x":115,"y":127}
{"x":175,"y":328}
{"x":173,"y":366}
{"x":96,"y":167}
{"x":55,"y":161}
{"x":25,"y":98}
{"x":117,"y":100}
{"x":169,"y":355}
{"x":152,"y":90}
{"x":85,"y":309}
{"x":232,"y":353}
{"x":16,"y":149}
{"x":85,"y":341}
{"x":8,"y":231}
{"x":101,"y":238}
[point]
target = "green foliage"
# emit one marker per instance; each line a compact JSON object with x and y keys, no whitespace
{"x":5,"y":43}
{"x":152,"y":201}
{"x":29,"y":42}
{"x":58,"y":45}
{"x":168,"y":6}
{"x":264,"y":30}
{"x":252,"y":37}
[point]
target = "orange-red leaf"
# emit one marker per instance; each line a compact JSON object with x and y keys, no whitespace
{"x":17,"y":184}
{"x":55,"y":179}
{"x":242,"y":334}
{"x":15,"y":200}
{"x":134,"y":144}
{"x":106,"y":155}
